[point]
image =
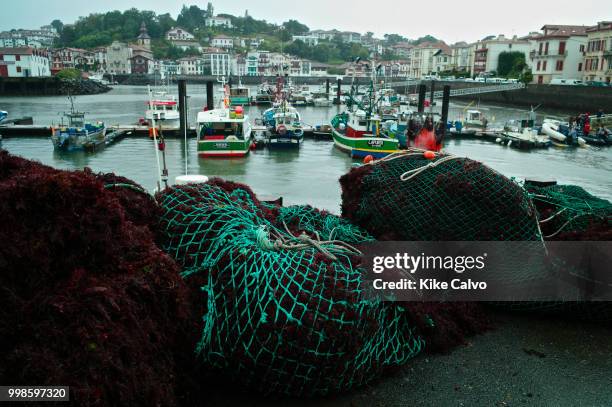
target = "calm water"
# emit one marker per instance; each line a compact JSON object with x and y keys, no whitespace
{"x":309,"y":175}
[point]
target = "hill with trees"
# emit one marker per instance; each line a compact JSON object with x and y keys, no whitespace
{"x":101,"y":29}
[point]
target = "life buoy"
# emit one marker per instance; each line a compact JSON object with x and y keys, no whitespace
{"x":282,"y":130}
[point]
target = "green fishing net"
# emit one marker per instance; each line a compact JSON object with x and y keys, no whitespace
{"x":285,"y":311}
{"x":568,"y":211}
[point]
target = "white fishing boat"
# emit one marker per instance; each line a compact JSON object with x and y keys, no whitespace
{"x":163,"y":108}
{"x":520,"y":134}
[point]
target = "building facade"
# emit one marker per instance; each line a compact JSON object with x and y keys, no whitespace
{"x":217,"y":63}
{"x":557,"y":53}
{"x":598,"y":53}
{"x":218,"y":22}
{"x":118,"y":58}
{"x":222,"y":41}
{"x":486,"y":53}
{"x":24,"y":63}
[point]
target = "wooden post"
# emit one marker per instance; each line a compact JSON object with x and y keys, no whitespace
{"x":210,"y":103}
{"x":421,"y":105}
{"x":182,"y":91}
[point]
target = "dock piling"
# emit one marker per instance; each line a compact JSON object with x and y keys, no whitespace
{"x":338,"y":91}
{"x":210,"y":103}
{"x":327,"y":87}
{"x":445,"y":102}
{"x":431,"y":95}
{"x":421,"y":105}
{"x":182,"y":91}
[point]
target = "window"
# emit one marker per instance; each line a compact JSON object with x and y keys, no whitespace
{"x":579,"y":66}
{"x":544,"y":65}
{"x":582,"y":48}
{"x":18,"y":58}
{"x":540,"y":51}
{"x":559,"y":66}
{"x":538,"y":66}
{"x":546,"y":49}
{"x":18,"y":69}
{"x":561,"y":47}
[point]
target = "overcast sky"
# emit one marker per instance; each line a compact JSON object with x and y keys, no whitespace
{"x":448,"y":20}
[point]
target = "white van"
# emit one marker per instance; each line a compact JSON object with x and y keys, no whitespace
{"x":558,"y":81}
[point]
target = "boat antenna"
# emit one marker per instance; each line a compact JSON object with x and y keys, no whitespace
{"x":159,"y":171}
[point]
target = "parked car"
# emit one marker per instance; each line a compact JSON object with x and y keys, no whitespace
{"x":597,"y":84}
{"x":558,"y":81}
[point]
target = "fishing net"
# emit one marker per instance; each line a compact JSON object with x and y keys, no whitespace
{"x":448,"y":198}
{"x":284,"y":314}
{"x":568,"y":212}
{"x":86,"y":298}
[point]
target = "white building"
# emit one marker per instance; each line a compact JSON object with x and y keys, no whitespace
{"x":167,"y":68}
{"x":118,"y":58}
{"x":218,"y":22}
{"x":252,"y":63}
{"x":217,"y":63}
{"x":24,"y":62}
{"x":311,"y":40}
{"x":462,"y":56}
{"x":486,"y":54}
{"x":323,"y":35}
{"x":598,"y":53}
{"x":349,"y":36}
{"x":179,"y":34}
{"x":222,"y":41}
{"x":191,"y":65}
{"x":557,"y":53}
{"x":429,"y":58}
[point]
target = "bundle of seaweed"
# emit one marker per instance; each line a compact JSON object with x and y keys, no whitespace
{"x":87,"y":300}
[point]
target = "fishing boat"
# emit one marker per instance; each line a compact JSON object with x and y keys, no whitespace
{"x":358,"y":130}
{"x":163,"y":109}
{"x":240,"y":95}
{"x":283,"y":121}
{"x":521,"y":134}
{"x":287,"y":131}
{"x":264,"y":95}
{"x":225,"y":131}
{"x":77,"y":134}
{"x":321,"y":100}
{"x":322,"y":132}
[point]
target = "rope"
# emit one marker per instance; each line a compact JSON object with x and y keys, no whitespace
{"x":327,"y":247}
{"x":413,"y":173}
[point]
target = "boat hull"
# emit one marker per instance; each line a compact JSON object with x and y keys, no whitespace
{"x":78,"y":141}
{"x":239,"y":100}
{"x":223,"y":149}
{"x":358,"y":147}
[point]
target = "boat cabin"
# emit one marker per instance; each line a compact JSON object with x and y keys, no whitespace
{"x":359,"y":125}
{"x":239,"y":91}
{"x":474,"y":115}
{"x":221,"y":124}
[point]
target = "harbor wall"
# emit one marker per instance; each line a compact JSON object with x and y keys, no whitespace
{"x":49,"y":87}
{"x":571,"y":98}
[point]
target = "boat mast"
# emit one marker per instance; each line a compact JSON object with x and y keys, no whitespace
{"x":159,"y":171}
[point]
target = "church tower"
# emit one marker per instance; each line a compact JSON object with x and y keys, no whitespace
{"x":143,"y":39}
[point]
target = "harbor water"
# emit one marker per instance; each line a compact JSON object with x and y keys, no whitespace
{"x":305,"y":176}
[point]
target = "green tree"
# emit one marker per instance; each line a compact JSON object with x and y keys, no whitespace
{"x":294,"y":27}
{"x":69,"y":74}
{"x":191,"y":17}
{"x":427,"y":38}
{"x":58,"y":25}
{"x":511,"y":64}
{"x":393,"y":39}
